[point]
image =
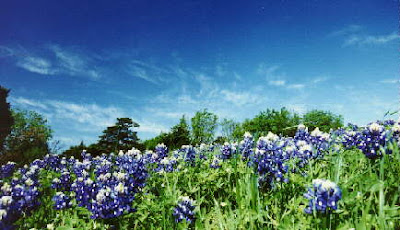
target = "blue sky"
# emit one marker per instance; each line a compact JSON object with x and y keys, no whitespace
{"x":82,"y":65}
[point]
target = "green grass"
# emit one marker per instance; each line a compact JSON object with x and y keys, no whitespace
{"x":229,"y":198}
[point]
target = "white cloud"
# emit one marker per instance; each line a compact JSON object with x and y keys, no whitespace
{"x":390,"y":81}
{"x":296,"y":86}
{"x":67,"y":61}
{"x":346,"y":30}
{"x":74,"y":63}
{"x":152,"y":128}
{"x":86,"y":121}
{"x":239,"y":98}
{"x":371,"y":39}
{"x":277,"y":83}
{"x":27,"y":102}
{"x":36,"y":65}
{"x":319,"y":80}
{"x":151,"y":73}
{"x":141,"y":73}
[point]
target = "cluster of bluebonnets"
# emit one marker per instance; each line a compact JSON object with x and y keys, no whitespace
{"x":185,"y":210}
{"x":106,"y":185}
{"x":323,"y":196}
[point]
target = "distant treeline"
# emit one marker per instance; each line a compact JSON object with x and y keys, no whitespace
{"x":25,"y":135}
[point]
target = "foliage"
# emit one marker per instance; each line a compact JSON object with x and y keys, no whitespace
{"x":75,"y":151}
{"x":228,"y":126}
{"x":345,"y":179}
{"x":276,"y":121}
{"x":28,"y":139}
{"x":178,"y":135}
{"x":204,"y":125}
{"x":324,"y":120}
{"x":119,"y":137}
{"x":6,"y":120}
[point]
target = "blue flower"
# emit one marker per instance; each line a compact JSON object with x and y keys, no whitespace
{"x":161,"y":151}
{"x":246,"y":146}
{"x":61,"y":201}
{"x":227,"y":151}
{"x":7,"y":170}
{"x":372,"y":139}
{"x":323,"y":196}
{"x":184,"y":210}
{"x":216,"y":163}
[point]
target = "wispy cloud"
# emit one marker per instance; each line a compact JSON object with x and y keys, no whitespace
{"x":357,"y":35}
{"x":148,"y":72}
{"x":296,"y":86}
{"x":74,"y":63}
{"x":350,"y":29}
{"x":277,"y":83}
{"x":85,"y":120}
{"x":390,"y":81}
{"x":370,"y":39}
{"x":27,"y":102}
{"x":37,"y":65}
{"x":239,"y":98}
{"x":141,"y":73}
{"x":319,"y":80}
{"x":53,"y":60}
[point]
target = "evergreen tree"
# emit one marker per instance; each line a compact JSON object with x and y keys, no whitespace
{"x":180,"y":134}
{"x":119,"y":137}
{"x":6,"y":119}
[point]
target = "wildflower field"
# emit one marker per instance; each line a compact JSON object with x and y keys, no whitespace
{"x":344,"y":179}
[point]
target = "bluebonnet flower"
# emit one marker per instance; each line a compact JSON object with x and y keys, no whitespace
{"x":302,"y":133}
{"x":7,"y":170}
{"x":111,"y":202}
{"x":161,"y":151}
{"x":184,"y":210}
{"x":270,"y":159}
{"x":246,"y":146}
{"x":189,"y":153}
{"x":63,"y":183}
{"x":350,"y":138}
{"x":216,"y":163}
{"x":84,"y":189}
{"x":227,"y":151}
{"x":61,"y":201}
{"x":372,"y":139}
{"x":167,"y":164}
{"x":323,"y":196}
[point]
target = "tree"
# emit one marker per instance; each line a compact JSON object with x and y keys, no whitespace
{"x":324,"y":120}
{"x":179,"y":135}
{"x":153,"y":142}
{"x":281,"y":122}
{"x":28,"y":139}
{"x":75,"y":151}
{"x":228,"y":126}
{"x":119,"y":137}
{"x":6,"y":119}
{"x":204,"y":124}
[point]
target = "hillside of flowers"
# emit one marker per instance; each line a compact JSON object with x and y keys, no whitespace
{"x":344,"y":179}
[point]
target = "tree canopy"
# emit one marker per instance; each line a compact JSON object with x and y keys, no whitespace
{"x":324,"y":120}
{"x":28,"y":139}
{"x":277,"y":121}
{"x":204,"y":125}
